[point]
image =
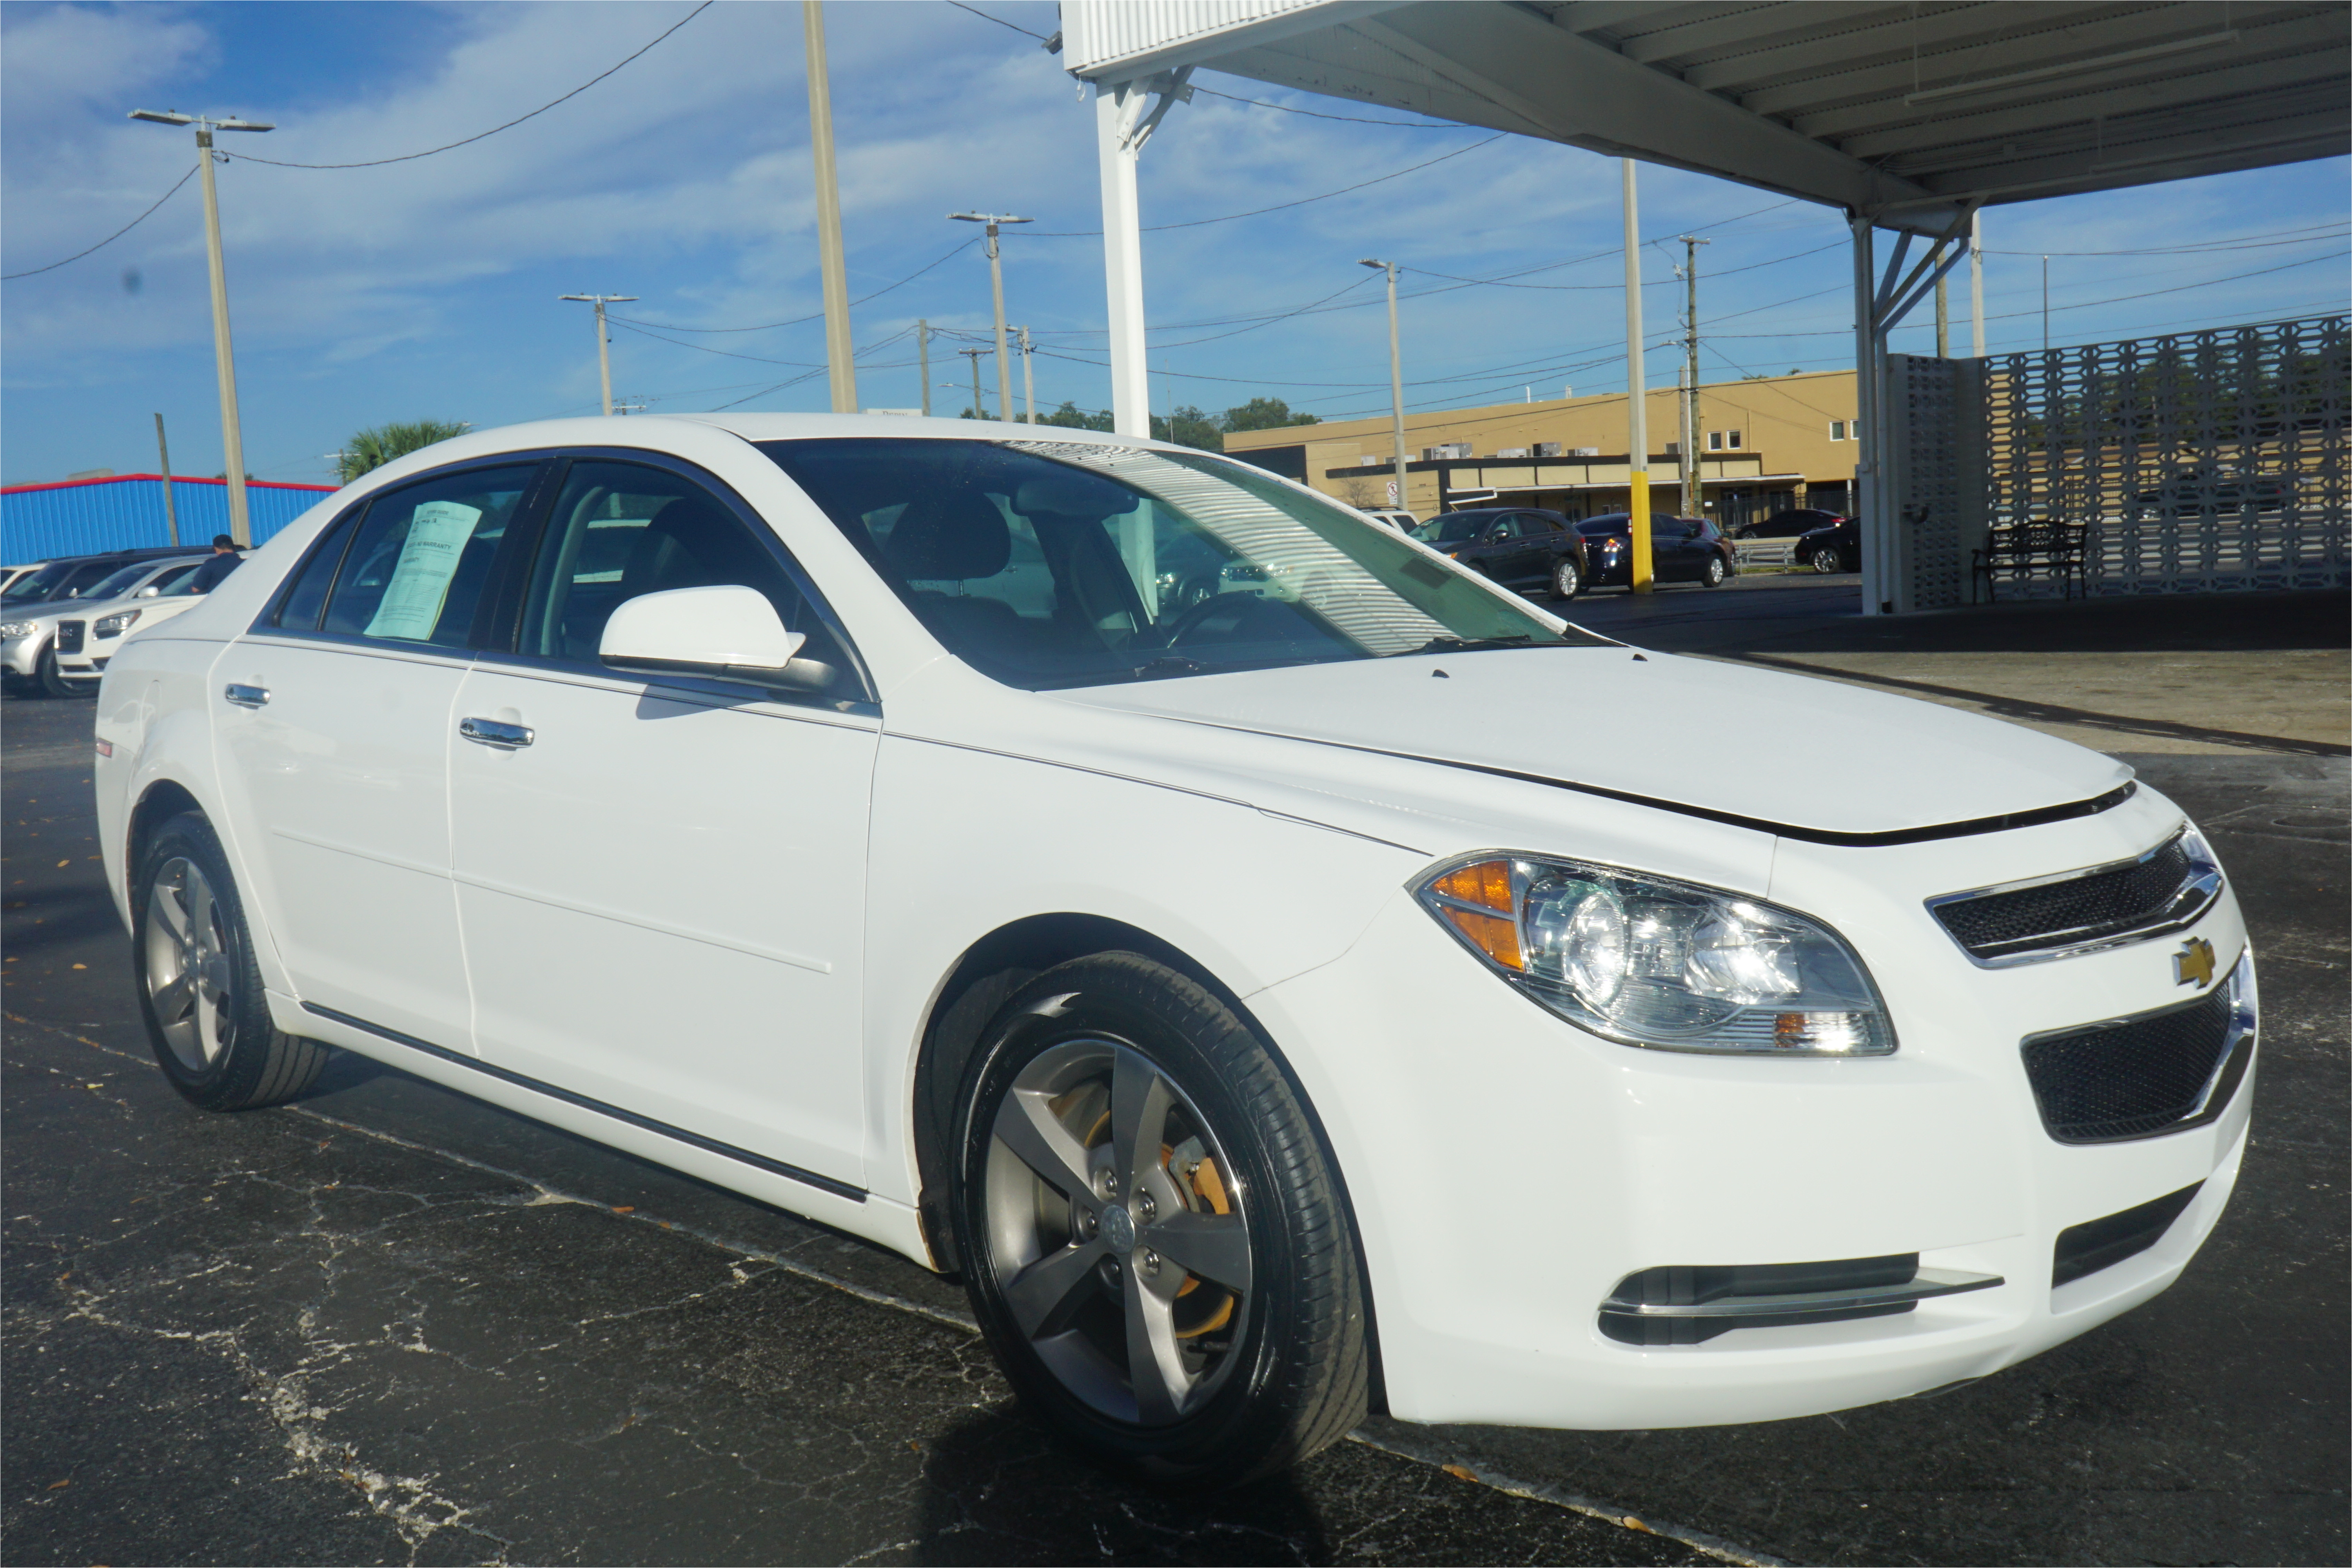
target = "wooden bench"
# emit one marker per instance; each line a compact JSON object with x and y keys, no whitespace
{"x":2038,"y":548}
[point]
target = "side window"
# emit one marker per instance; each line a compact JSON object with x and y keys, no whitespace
{"x":620,"y":531}
{"x":422,"y":555}
{"x":1535,"y":524}
{"x":299,"y":612}
{"x":1508,"y":528}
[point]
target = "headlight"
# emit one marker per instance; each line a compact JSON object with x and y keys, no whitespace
{"x":1666,"y":965}
{"x":114,"y":626}
{"x":16,"y":629}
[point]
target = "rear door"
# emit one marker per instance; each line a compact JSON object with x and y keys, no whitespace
{"x":331,"y":719}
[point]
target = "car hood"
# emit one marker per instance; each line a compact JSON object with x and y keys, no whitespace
{"x":1816,"y":759}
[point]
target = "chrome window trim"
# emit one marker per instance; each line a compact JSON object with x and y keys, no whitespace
{"x":2204,"y":879}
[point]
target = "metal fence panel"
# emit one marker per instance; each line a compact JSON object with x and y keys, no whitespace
{"x":40,"y":523}
{"x":2201,"y":462}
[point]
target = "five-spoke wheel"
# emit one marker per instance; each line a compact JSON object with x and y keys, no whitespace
{"x":188,"y":966}
{"x":1152,"y":1236}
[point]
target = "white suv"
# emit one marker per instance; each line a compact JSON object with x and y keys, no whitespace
{"x":1238,"y":989}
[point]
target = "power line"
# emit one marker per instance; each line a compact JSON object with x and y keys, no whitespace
{"x":1279,"y":206}
{"x":118,"y":234}
{"x":2313,"y":235}
{"x":1000,"y":21}
{"x":797,"y":320}
{"x":1318,"y":114}
{"x":493,"y":130}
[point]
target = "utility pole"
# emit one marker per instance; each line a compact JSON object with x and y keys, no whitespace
{"x":604,"y":338}
{"x":240,"y":527}
{"x":837,"y":349}
{"x":1396,"y":382}
{"x":1694,"y":477}
{"x":996,"y":287}
{"x":171,"y":504}
{"x":979,"y":409}
{"x":2045,"y":304}
{"x":1975,"y":277}
{"x":1637,"y":413}
{"x":923,"y":360}
{"x":1943,"y":324}
{"x":1028,"y":379}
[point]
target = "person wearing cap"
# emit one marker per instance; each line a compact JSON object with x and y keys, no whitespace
{"x":224,"y":561}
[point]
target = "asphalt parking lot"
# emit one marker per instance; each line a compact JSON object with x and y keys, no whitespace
{"x":389,"y":1324}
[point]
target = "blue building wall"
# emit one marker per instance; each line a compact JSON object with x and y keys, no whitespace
{"x":39,"y":522}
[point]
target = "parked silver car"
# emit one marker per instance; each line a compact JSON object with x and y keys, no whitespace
{"x":31,"y":638}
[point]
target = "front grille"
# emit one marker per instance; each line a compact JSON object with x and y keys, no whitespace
{"x":2162,"y":891}
{"x":2158,"y":1072}
{"x":69,"y":636}
{"x":2097,"y":1244}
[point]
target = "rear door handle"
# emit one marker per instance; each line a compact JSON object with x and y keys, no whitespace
{"x":491,"y":732}
{"x":246,"y":696}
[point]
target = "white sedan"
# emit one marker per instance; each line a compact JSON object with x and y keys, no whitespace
{"x":1340,"y":983}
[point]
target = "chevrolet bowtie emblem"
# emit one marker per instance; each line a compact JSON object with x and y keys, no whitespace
{"x":2193,"y":964}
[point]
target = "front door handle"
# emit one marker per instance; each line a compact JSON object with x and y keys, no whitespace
{"x":246,"y":696}
{"x":491,"y":732}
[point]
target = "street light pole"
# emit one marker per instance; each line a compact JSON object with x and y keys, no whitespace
{"x":996,"y":287}
{"x":604,"y":338}
{"x":839,"y":362}
{"x":923,"y":360}
{"x":240,"y":527}
{"x":1396,"y":381}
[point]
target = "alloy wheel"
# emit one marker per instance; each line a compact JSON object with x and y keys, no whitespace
{"x":189,"y":965}
{"x":1117,"y":1233}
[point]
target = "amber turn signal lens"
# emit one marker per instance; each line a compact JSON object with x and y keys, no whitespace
{"x":1486,"y":884}
{"x":1495,"y":937}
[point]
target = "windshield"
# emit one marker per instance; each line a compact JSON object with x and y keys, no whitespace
{"x":1452,"y":528}
{"x":121,"y":583}
{"x":34,"y":587}
{"x":1049,"y":563}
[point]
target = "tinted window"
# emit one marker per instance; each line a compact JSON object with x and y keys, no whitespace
{"x":308,"y":595}
{"x":620,"y":531}
{"x":1532,"y":523}
{"x":119,"y":582}
{"x":1050,"y":563}
{"x":1452,"y":527}
{"x":422,"y":555}
{"x":1593,"y":526}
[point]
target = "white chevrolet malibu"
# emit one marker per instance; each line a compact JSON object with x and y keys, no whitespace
{"x":1281,"y":972}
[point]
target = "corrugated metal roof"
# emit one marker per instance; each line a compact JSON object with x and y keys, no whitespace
{"x":1905,"y":111}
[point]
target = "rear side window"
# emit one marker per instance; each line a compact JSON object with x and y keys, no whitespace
{"x":418,"y":566}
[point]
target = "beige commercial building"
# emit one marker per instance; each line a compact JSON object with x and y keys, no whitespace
{"x":1764,"y":445}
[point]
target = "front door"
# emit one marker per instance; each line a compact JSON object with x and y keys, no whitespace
{"x":663,"y":884}
{"x":334,"y":722}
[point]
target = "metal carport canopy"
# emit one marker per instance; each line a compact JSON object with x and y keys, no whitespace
{"x":1902,"y":113}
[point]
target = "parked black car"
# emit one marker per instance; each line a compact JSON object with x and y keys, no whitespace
{"x":1837,"y":548}
{"x":1519,"y":547}
{"x":1790,"y":524}
{"x":1681,"y":550}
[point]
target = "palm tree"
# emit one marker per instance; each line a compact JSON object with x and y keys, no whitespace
{"x":374,"y":447}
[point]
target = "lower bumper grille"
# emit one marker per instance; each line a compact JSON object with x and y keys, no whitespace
{"x":2099,"y":1244}
{"x":69,"y":636}
{"x":1687,"y":1305}
{"x":2138,"y":1077}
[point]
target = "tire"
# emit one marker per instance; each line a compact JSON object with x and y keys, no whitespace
{"x":1254,"y":1358}
{"x":1716,"y":573}
{"x":1825,"y":560}
{"x":199,"y":989}
{"x":1567,"y":578}
{"x":45,"y":672}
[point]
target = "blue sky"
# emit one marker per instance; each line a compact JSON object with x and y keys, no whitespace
{"x":428,"y":288}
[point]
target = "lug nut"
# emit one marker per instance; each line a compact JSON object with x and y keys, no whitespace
{"x":1144,"y":1202}
{"x":1150,"y":1262}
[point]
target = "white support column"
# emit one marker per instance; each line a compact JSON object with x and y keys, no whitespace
{"x":1877,"y":529}
{"x":1122,"y":222}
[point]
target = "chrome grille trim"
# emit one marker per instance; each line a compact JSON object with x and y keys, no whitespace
{"x":2199,"y":885}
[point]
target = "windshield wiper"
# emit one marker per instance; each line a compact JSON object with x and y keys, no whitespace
{"x":1166,"y":665}
{"x":1469,"y":645}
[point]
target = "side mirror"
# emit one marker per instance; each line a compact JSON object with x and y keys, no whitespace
{"x":727,"y":633}
{"x":149,"y":592}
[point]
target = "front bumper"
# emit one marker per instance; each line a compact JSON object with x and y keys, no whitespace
{"x":1509,"y":1171}
{"x":21,"y":657}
